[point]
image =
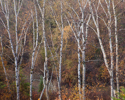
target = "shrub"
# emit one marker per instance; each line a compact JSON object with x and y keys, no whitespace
{"x":121,"y":94}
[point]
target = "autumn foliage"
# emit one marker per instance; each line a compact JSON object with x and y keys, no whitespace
{"x":97,"y":75}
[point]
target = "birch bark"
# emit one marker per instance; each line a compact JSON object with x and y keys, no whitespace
{"x":42,"y":11}
{"x":79,"y":67}
{"x":5,"y":4}
{"x":16,"y":52}
{"x":111,"y":48}
{"x":84,"y":40}
{"x":61,"y":46}
{"x":116,"y":43}
{"x":45,"y":48}
{"x":36,"y":47}
{"x":108,"y":25}
{"x":77,"y":37}
{"x":60,"y":27}
{"x":82,"y":33}
{"x":33,"y":55}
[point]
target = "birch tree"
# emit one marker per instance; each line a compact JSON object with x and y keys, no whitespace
{"x":77,"y":36}
{"x":108,"y":23}
{"x":46,"y":71}
{"x":36,"y":46}
{"x":116,"y":43}
{"x":61,"y":29}
{"x":81,"y":33}
{"x":61,"y":46}
{"x":18,"y":48}
{"x":110,"y":70}
{"x":84,"y":40}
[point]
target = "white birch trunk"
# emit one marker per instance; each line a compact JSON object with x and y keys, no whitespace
{"x":35,"y":51}
{"x":61,"y":46}
{"x":17,"y":79}
{"x":31,"y":74}
{"x":84,"y":39}
{"x":32,"y":61}
{"x":110,"y":70}
{"x":84,"y":72}
{"x":79,"y":75}
{"x":83,"y":56}
{"x":79,"y":49}
{"x":111,"y":48}
{"x":42,"y":11}
{"x":116,"y":43}
{"x":80,"y":30}
{"x":99,"y":38}
{"x":45,"y":48}
{"x":14,"y":48}
{"x":16,"y":53}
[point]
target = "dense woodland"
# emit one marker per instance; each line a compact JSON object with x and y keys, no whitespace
{"x":62,"y":49}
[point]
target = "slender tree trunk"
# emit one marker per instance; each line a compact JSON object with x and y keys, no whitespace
{"x":111,"y":48}
{"x":84,"y":35}
{"x":110,"y":70}
{"x":111,"y":55}
{"x":61,"y":46}
{"x":31,"y":74}
{"x":83,"y":55}
{"x":33,"y":55}
{"x":79,"y":75}
{"x":16,"y":53}
{"x":80,"y":31}
{"x":45,"y":48}
{"x":14,"y":48}
{"x":84,"y":72}
{"x":46,"y":72}
{"x":116,"y":43}
{"x":35,"y":50}
{"x":17,"y":79}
